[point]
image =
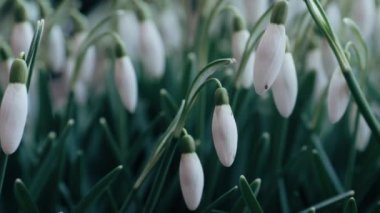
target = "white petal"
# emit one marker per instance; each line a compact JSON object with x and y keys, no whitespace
{"x":285,"y":88}
{"x":338,"y":96}
{"x":22,"y":35}
{"x":13,"y":112}
{"x":224,"y":133}
{"x":57,"y":49}
{"x":364,"y":14}
{"x":126,"y":82}
{"x":128,"y":27}
{"x":269,"y":56}
{"x":314,"y":63}
{"x":328,"y":58}
{"x":239,"y":40}
{"x":191,"y":179}
{"x":81,"y":93}
{"x":334,"y":16}
{"x":363,"y":132}
{"x":152,"y":50}
{"x":254,"y":9}
{"x":170,"y":28}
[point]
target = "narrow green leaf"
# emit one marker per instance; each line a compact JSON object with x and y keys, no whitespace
{"x":23,"y":197}
{"x":3,"y":169}
{"x":97,"y":190}
{"x":220,"y":199}
{"x":283,"y":196}
{"x":111,"y":139}
{"x":168,"y":103}
{"x":329,"y":201}
{"x":350,"y":206}
{"x":239,"y":204}
{"x":248,"y":196}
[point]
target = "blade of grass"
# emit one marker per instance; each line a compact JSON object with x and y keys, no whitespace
{"x":283,"y":196}
{"x":239,"y":204}
{"x":350,"y":206}
{"x":248,"y":196}
{"x":329,"y":201}
{"x":220,"y":199}
{"x":3,"y":169}
{"x":24,"y":198}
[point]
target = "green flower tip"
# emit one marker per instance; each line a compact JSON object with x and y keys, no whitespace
{"x":221,"y":96}
{"x":238,"y":23}
{"x":280,"y":12}
{"x":5,"y":52}
{"x":120,"y":49}
{"x":143,"y":11}
{"x":19,"y":72}
{"x":187,"y":144}
{"x":21,"y":14}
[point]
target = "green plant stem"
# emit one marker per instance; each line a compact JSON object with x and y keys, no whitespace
{"x":319,"y":17}
{"x":330,"y":201}
{"x":283,"y":196}
{"x":279,"y":153}
{"x":220,"y":199}
{"x":352,"y":154}
{"x":111,"y":139}
{"x":4,"y":163}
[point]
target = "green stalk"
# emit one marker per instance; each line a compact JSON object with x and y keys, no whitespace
{"x":330,"y":201}
{"x":220,"y":199}
{"x":4,"y":163}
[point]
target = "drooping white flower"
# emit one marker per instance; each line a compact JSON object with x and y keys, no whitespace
{"x":364,"y":14}
{"x":338,"y":96}
{"x":328,"y":58}
{"x":126,"y":81}
{"x":56,"y":49}
{"x":170,"y":29}
{"x":14,"y":108}
{"x":22,"y":32}
{"x":254,"y":9}
{"x":314,"y":63}
{"x":190,"y":174}
{"x":239,"y":40}
{"x":152,"y":50}
{"x":224,"y":130}
{"x":363,"y":132}
{"x":285,"y":88}
{"x":271,"y":50}
{"x":129,"y":30}
{"x":89,"y":61}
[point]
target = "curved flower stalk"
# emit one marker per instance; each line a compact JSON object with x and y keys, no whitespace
{"x":338,"y":96}
{"x":254,"y":9}
{"x":125,"y":79}
{"x":271,"y":50}
{"x":152,"y":46}
{"x":129,"y":30}
{"x":314,"y":63}
{"x":22,"y":32}
{"x":364,"y":14}
{"x":363,"y":132}
{"x":14,"y":108}
{"x":190,"y":173}
{"x":224,"y":129}
{"x":5,"y":64}
{"x":170,"y":28}
{"x":285,"y":88}
{"x":240,"y":37}
{"x":56,"y":49}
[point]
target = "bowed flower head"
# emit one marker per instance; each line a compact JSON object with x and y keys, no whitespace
{"x":22,"y":32}
{"x":14,"y":108}
{"x":190,"y":173}
{"x":271,"y":50}
{"x":125,"y":79}
{"x":338,"y":96}
{"x":224,"y":130}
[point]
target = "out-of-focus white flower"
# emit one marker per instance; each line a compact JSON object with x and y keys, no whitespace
{"x":328,"y":58}
{"x":338,"y":96}
{"x":190,"y":174}
{"x":364,"y":14}
{"x":57,"y":49}
{"x":152,"y":50}
{"x":125,"y":79}
{"x":224,"y":130}
{"x":88,"y":63}
{"x":334,"y":16}
{"x":170,"y":29}
{"x":22,"y":32}
{"x":14,"y":108}
{"x":363,"y":133}
{"x":271,"y":50}
{"x":314,"y":63}
{"x":285,"y":88}
{"x":254,"y":9}
{"x":129,"y":30}
{"x":239,"y":40}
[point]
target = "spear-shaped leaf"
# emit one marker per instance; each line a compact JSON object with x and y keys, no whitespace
{"x":248,"y":196}
{"x":350,"y":206}
{"x":23,"y":197}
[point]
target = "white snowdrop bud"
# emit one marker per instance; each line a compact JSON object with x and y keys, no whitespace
{"x":152,"y":46}
{"x":171,"y":30}
{"x":22,"y":32}
{"x":190,"y":174}
{"x":364,"y":14}
{"x":224,"y":130}
{"x":285,"y":88}
{"x":254,"y":9}
{"x":129,"y":30}
{"x":14,"y":108}
{"x":271,"y":50}
{"x":125,"y":79}
{"x":338,"y":96}
{"x":239,"y":40}
{"x":363,"y":133}
{"x":56,"y":49}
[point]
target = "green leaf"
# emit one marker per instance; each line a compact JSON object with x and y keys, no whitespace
{"x":220,"y":199}
{"x":248,"y":196}
{"x":350,"y":206}
{"x":97,"y":190}
{"x":23,"y":197}
{"x":239,"y":204}
{"x":329,"y":201}
{"x":3,"y":169}
{"x":31,"y":57}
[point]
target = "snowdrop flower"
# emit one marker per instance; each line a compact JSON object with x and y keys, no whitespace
{"x":254,"y":9}
{"x":364,"y":14}
{"x":271,"y":50}
{"x":239,"y":40}
{"x":224,"y":130}
{"x":125,"y":79}
{"x":88,"y":63}
{"x":22,"y":32}
{"x":5,"y":64}
{"x":171,"y":30}
{"x":128,"y":28}
{"x":56,"y":49}
{"x":14,"y":108}
{"x":328,"y":58}
{"x":314,"y":63}
{"x":363,"y":133}
{"x":152,"y":47}
{"x":338,"y":96}
{"x":190,"y":174}
{"x":285,"y":88}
